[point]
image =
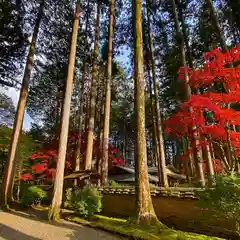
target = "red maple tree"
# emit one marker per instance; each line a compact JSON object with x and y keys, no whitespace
{"x":219,"y":68}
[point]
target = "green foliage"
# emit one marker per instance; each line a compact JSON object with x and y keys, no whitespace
{"x":68,"y":198}
{"x":224,"y":199}
{"x":32,"y":195}
{"x":113,"y":183}
{"x":27,"y":146}
{"x":13,"y":41}
{"x":86,"y":201}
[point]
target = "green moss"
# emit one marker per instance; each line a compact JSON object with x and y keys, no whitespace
{"x":123,"y":227}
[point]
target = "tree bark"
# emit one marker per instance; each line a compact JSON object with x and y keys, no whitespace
{"x":209,"y":164}
{"x":104,"y":174}
{"x":155,"y":144}
{"x":144,"y":210}
{"x":217,"y":25}
{"x":58,"y":184}
{"x":162,"y":161}
{"x":101,"y":125}
{"x":89,"y":150}
{"x":186,"y":161}
{"x":185,"y":35}
{"x":17,"y":168}
{"x":81,"y":100}
{"x":6,"y":184}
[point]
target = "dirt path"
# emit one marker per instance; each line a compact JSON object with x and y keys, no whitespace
{"x":22,"y":226}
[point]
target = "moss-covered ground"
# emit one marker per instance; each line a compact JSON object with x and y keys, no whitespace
{"x":132,"y":231}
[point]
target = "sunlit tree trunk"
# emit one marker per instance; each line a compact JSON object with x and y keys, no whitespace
{"x":108,"y":96}
{"x":58,"y":184}
{"x":186,"y":161}
{"x":19,"y":173}
{"x":196,"y":138}
{"x":101,"y":124}
{"x":209,"y":163}
{"x":212,"y":149}
{"x":6,"y":184}
{"x":87,"y":106}
{"x":144,"y":208}
{"x":17,"y":169}
{"x":89,"y":150}
{"x":224,"y":158}
{"x":162,"y":161}
{"x":81,"y":99}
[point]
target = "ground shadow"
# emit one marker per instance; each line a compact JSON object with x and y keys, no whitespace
{"x":9,"y":233}
{"x":78,"y":232}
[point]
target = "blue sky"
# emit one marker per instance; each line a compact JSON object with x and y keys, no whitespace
{"x":14,"y":94}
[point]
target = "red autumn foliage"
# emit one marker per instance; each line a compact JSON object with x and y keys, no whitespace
{"x":44,"y":161}
{"x":219,"y":68}
{"x":26,"y":177}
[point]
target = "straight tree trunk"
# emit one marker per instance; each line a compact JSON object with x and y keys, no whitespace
{"x":144,"y":209}
{"x":224,"y":158}
{"x":162,"y":161}
{"x":154,"y":125}
{"x":212,"y":150}
{"x":185,"y":35}
{"x":87,"y":107}
{"x":6,"y":184}
{"x":217,"y":25}
{"x":106,"y":126}
{"x":186,"y":161}
{"x":196,"y":139}
{"x":99,"y":91}
{"x":209,"y":165}
{"x":89,"y":150}
{"x":58,"y":184}
{"x":230,"y":20}
{"x":100,"y":125}
{"x":17,"y":168}
{"x":19,"y":173}
{"x":81,"y":100}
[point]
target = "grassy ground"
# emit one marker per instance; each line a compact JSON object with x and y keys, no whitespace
{"x":122,"y":227}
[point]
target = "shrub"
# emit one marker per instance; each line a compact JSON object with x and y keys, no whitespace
{"x":68,"y":198}
{"x":113,"y":183}
{"x":86,"y":201}
{"x":224,"y":199}
{"x":33,"y":195}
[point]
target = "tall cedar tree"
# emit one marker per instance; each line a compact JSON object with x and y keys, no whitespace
{"x":20,"y":111}
{"x":144,"y":208}
{"x":160,"y":143}
{"x":104,"y":173}
{"x":89,"y":150}
{"x":81,"y":98}
{"x":58,"y":184}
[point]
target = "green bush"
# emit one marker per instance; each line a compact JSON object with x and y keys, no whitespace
{"x":32,"y":195}
{"x":224,"y":199}
{"x":86,"y":201}
{"x":113,"y":183}
{"x":68,"y":198}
